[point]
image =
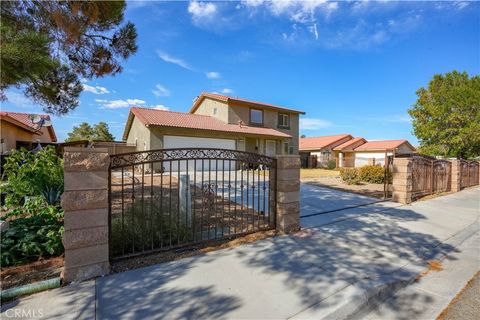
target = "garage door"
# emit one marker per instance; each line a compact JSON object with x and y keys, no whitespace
{"x":172,"y":142}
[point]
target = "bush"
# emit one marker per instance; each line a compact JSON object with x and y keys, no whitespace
{"x":35,"y":232}
{"x":350,"y":175}
{"x":29,"y":174}
{"x":332,"y":164}
{"x":372,"y":174}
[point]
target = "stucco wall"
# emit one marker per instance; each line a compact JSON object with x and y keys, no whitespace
{"x":11,"y":133}
{"x":208,"y":106}
{"x":404,"y":148}
{"x":270,"y":120}
{"x":362,"y":158}
{"x":139,"y":135}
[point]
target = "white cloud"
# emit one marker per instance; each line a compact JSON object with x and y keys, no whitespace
{"x":200,"y":10}
{"x":168,"y":58}
{"x":161,"y":91}
{"x":313,"y":123}
{"x":461,"y":4}
{"x":95,"y":90}
{"x":160,"y":107}
{"x":18,"y":100}
{"x":115,"y":104}
{"x":212,"y":75}
{"x":227,"y":91}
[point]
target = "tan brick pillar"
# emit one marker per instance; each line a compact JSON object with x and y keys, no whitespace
{"x":456,"y":176}
{"x":402,"y":180}
{"x":288,"y":193}
{"x":85,"y":202}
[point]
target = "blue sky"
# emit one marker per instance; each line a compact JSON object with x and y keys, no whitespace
{"x":353,"y":67}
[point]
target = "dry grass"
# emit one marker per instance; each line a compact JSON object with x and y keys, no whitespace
{"x":317,"y":173}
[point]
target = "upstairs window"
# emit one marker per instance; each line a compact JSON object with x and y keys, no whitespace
{"x":256,"y":116}
{"x":283,"y":120}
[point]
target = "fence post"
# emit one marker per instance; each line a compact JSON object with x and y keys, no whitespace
{"x":456,"y":176}
{"x":402,"y":176}
{"x":85,"y":202}
{"x":288,"y":193}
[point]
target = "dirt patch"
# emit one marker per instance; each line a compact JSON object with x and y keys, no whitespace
{"x":33,"y":272}
{"x":465,"y":304}
{"x":366,"y":189}
{"x":147,"y":260}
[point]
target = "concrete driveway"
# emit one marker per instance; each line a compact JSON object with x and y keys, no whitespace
{"x":315,"y":200}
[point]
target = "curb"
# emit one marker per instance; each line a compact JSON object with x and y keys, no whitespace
{"x":357,"y":299}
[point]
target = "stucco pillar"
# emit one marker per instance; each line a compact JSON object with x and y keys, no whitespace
{"x":456,"y":176}
{"x":85,"y":202}
{"x":288,"y":193}
{"x":402,"y":180}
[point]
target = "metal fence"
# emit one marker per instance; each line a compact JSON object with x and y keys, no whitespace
{"x":166,"y":199}
{"x":469,"y":175}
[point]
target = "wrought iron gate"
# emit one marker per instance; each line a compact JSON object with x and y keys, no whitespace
{"x":166,"y":199}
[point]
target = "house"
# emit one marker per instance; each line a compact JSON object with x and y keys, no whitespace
{"x":350,"y":152}
{"x":375,"y":152}
{"x":321,"y":149}
{"x":17,"y":130}
{"x":216,"y":121}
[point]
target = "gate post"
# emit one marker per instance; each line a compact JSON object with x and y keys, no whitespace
{"x":288,"y":193}
{"x":402,"y":176}
{"x":456,"y":176}
{"x":85,"y":203}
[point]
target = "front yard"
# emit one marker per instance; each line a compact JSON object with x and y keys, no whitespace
{"x":331,"y":179}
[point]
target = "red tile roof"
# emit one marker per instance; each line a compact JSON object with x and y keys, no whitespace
{"x":316,"y":143}
{"x":228,"y":99}
{"x":350,"y":144}
{"x":383,"y":145}
{"x":153,"y":117}
{"x":22,"y":120}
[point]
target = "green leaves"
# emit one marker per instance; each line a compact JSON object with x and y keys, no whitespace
{"x":47,"y":45}
{"x":34,"y":236}
{"x":446,"y":116}
{"x":31,"y":174}
{"x":99,"y":132}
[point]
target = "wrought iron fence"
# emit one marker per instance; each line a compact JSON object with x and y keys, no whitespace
{"x":167,"y":199}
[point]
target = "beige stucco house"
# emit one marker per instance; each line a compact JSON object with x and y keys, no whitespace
{"x":217,"y":121}
{"x":18,"y":130}
{"x":348,"y":151}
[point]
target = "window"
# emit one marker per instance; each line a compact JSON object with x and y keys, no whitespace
{"x":285,"y":147}
{"x":256,"y":116}
{"x":283,"y":120}
{"x":214,"y":111}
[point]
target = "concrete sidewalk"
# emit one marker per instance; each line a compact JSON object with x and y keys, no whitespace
{"x":329,"y":270}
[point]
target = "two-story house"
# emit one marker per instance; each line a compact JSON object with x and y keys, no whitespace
{"x":217,"y":121}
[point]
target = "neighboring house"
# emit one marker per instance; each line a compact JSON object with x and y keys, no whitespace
{"x":18,"y":130}
{"x":321,"y":148}
{"x":351,"y":152}
{"x":216,"y":121}
{"x":375,"y":152}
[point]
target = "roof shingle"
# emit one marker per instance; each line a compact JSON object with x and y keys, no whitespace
{"x":152,"y":117}
{"x":382,"y":145}
{"x":315,"y":143}
{"x":227,"y":99}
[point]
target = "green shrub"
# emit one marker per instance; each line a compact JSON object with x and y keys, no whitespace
{"x":30,"y":174}
{"x":372,"y":174}
{"x":35,"y":232}
{"x":332,"y":164}
{"x":350,"y":175}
